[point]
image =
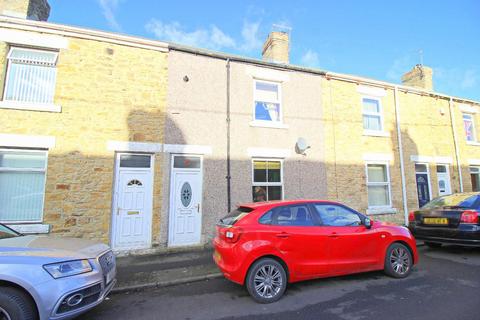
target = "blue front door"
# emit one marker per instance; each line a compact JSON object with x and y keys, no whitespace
{"x":422,"y":189}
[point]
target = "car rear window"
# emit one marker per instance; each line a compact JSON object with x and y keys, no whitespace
{"x":454,"y":201}
{"x":231,"y":218}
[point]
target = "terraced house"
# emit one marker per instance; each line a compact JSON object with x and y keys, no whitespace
{"x":145,"y":144}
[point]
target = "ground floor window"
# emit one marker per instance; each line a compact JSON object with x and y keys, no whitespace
{"x":267,"y":180}
{"x":378,"y":185}
{"x":22,"y":185}
{"x":475,"y":176}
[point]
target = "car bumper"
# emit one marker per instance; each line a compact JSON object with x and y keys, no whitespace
{"x":227,"y":263}
{"x":467,"y":235}
{"x":53,"y":295}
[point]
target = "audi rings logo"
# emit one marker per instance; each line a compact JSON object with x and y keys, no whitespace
{"x":75,"y":300}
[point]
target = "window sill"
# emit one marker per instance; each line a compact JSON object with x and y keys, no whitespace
{"x":381,"y":210}
{"x":268,"y":124}
{"x":30,"y":106}
{"x":473,"y":143}
{"x":30,"y":228}
{"x":374,"y":133}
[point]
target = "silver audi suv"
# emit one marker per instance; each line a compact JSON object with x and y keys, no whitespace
{"x":43,"y":277}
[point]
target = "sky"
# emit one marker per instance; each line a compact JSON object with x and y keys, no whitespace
{"x":369,"y":38}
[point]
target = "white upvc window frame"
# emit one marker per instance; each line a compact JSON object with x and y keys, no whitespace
{"x":388,"y":183}
{"x":279,"y":101}
{"x":44,"y":170}
{"x":371,"y":132}
{"x":29,"y":105}
{"x":472,"y":120}
{"x":269,"y":184}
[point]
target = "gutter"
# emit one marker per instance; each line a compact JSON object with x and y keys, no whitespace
{"x":400,"y":151}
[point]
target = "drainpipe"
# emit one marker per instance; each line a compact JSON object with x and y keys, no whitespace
{"x":454,"y":132}
{"x":228,"y":177}
{"x":400,"y":151}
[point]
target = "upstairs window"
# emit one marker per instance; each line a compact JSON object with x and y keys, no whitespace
{"x":267,"y":102}
{"x":469,"y":126}
{"x":31,"y":75}
{"x":372,"y":114}
{"x":22,"y":185}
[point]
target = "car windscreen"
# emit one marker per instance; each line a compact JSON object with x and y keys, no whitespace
{"x":232,"y":217}
{"x":453,"y":201}
{"x":6,"y":233}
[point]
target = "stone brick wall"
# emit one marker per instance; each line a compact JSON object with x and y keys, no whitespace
{"x":426,"y":128}
{"x":107,"y":92}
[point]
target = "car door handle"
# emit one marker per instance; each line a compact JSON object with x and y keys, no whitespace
{"x":283,"y":235}
{"x":333,"y":235}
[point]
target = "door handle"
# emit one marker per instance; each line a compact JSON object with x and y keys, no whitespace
{"x":283,"y":235}
{"x":333,"y":235}
{"x":198,"y":208}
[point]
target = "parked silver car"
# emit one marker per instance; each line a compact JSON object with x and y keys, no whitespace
{"x":43,"y":277}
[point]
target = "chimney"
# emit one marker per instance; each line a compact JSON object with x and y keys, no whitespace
{"x":276,"y":47}
{"x":420,"y":76}
{"x":26,"y":9}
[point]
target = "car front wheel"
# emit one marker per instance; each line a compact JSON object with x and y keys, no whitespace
{"x":266,"y":280}
{"x":15,"y":305}
{"x":398,"y":261}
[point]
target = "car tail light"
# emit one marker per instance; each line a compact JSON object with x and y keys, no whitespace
{"x":469,"y":216}
{"x":411,"y":216}
{"x":232,"y":234}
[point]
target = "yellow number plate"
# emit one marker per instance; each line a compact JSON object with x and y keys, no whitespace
{"x":435,"y":220}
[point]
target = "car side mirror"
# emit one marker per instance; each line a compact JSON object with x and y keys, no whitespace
{"x":368,"y":223}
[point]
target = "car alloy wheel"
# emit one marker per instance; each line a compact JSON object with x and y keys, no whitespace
{"x":400,"y":260}
{"x":268,"y":281}
{"x":4,"y":315}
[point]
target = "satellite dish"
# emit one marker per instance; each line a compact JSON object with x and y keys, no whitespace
{"x":301,"y":146}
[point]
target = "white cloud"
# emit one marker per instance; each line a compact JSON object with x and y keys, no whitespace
{"x":310,"y":59}
{"x":454,"y":78}
{"x":400,"y":66}
{"x":108,"y":11}
{"x":470,"y":79}
{"x":212,"y":38}
{"x":251,"y":37}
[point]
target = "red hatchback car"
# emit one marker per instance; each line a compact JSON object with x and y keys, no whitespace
{"x":264,"y":245}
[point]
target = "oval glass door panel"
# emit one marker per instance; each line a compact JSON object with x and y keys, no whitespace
{"x":186,"y":194}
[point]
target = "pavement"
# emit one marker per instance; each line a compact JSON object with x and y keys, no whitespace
{"x":137,"y":272}
{"x":164,"y":269}
{"x":443,"y":286}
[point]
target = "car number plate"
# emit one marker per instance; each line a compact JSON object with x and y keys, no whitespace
{"x":435,"y":220}
{"x":110,"y":276}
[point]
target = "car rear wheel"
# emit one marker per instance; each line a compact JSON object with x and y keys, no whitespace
{"x":266,"y":280}
{"x":433,"y":244}
{"x":398,"y":261}
{"x":15,"y":305}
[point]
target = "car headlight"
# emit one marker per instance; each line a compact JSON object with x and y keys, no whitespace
{"x":68,"y":268}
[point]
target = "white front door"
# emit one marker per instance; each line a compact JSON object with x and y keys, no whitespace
{"x":132,"y":210}
{"x":185,"y":201}
{"x":443,"y":177}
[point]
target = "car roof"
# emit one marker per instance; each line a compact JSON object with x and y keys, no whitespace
{"x":276,"y":203}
